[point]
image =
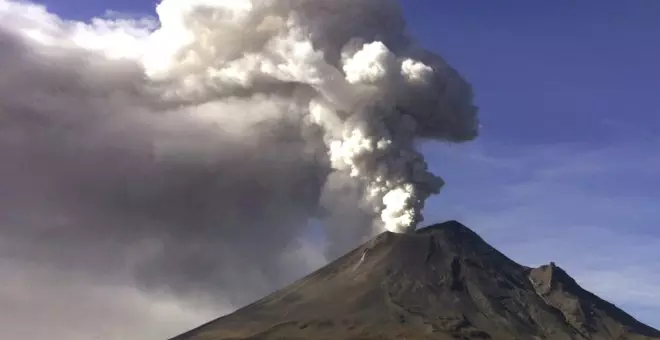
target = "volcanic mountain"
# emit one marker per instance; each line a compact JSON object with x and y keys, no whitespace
{"x":442,"y":282}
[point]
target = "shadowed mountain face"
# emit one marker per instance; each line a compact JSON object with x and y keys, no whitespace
{"x":443,"y":282}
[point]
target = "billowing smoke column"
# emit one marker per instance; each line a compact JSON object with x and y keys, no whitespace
{"x":343,"y":71}
{"x":345,"y":67}
{"x":177,"y":142}
{"x":186,"y":154}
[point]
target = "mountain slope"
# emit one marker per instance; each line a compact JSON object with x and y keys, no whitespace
{"x":443,"y":282}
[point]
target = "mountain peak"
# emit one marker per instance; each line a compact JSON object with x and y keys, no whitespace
{"x":448,"y":225}
{"x":440,"y":282}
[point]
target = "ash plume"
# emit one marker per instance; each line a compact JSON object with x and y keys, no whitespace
{"x":366,"y":87}
{"x":175,"y":150}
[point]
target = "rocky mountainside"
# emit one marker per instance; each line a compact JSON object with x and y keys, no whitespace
{"x":443,"y":282}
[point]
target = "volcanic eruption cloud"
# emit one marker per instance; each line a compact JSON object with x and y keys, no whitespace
{"x":343,"y":72}
{"x":168,"y":145}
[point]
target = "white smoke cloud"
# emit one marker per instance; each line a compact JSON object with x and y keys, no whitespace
{"x":274,"y":60}
{"x":216,"y":130}
{"x":370,"y":103}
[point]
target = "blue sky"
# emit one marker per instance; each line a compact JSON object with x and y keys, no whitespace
{"x":566,"y":167}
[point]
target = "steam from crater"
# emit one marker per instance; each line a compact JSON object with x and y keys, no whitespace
{"x":345,"y":68}
{"x":344,"y":73}
{"x":165,"y":146}
{"x":160,"y":154}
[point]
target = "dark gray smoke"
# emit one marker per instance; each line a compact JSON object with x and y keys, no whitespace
{"x":186,"y":156}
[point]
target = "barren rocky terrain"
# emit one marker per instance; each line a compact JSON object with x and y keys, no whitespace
{"x":443,"y":282}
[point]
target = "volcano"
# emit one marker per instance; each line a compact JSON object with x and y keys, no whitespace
{"x":441,"y":282}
